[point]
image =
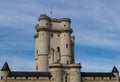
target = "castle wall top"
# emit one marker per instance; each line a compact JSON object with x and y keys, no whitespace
{"x":45,"y":17}
{"x":53,"y":24}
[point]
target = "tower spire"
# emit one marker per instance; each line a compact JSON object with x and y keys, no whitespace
{"x":5,"y":67}
{"x":115,"y":69}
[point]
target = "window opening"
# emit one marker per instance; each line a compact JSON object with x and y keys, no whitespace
{"x":37,"y":51}
{"x":66,"y":45}
{"x":94,"y":78}
{"x":67,"y":62}
{"x":110,"y":78}
{"x":102,"y":78}
{"x":15,"y":77}
{"x":58,"y":49}
{"x":51,"y":35}
{"x":36,"y":67}
{"x":1,"y":77}
{"x":48,"y":48}
{"x":26,"y":77}
{"x":46,"y":23}
{"x":65,"y":78}
{"x":37,"y":77}
{"x":58,"y":35}
{"x":51,"y":24}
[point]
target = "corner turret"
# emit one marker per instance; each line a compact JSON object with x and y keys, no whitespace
{"x":5,"y":71}
{"x":65,"y":25}
{"x":42,"y":38}
{"x":115,"y":72}
{"x":43,"y":16}
{"x":44,"y":23}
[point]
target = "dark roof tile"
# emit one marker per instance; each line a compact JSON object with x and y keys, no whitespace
{"x":96,"y":74}
{"x":29,"y":74}
{"x":115,"y":69}
{"x":5,"y":67}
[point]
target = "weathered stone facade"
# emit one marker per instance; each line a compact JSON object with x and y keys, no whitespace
{"x":54,"y":57}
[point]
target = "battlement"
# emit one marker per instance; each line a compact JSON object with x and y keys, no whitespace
{"x":62,"y":24}
{"x":45,"y":17}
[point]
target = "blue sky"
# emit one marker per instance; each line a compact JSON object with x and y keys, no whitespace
{"x":96,"y":26}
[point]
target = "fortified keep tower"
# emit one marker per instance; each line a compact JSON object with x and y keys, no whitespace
{"x":55,"y":49}
{"x":54,"y":57}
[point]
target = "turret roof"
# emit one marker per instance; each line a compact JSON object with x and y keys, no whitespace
{"x":5,"y":67}
{"x":114,"y":69}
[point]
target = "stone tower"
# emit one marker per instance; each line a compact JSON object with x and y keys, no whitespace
{"x":115,"y":72}
{"x":5,"y":71}
{"x":54,"y":51}
{"x":42,"y":43}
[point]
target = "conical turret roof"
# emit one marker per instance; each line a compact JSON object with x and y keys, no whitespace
{"x":115,"y":69}
{"x":5,"y":67}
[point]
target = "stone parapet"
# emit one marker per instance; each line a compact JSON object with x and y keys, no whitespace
{"x":65,"y":65}
{"x":45,"y":17}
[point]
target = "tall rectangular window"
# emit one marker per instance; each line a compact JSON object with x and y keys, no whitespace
{"x":1,"y":77}
{"x":66,"y":45}
{"x":65,"y":78}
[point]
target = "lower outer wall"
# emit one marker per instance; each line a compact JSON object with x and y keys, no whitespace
{"x":100,"y":81}
{"x":28,"y":80}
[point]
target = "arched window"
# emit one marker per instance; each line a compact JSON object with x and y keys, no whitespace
{"x":58,"y":49}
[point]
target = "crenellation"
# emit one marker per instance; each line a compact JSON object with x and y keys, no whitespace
{"x":43,"y":17}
